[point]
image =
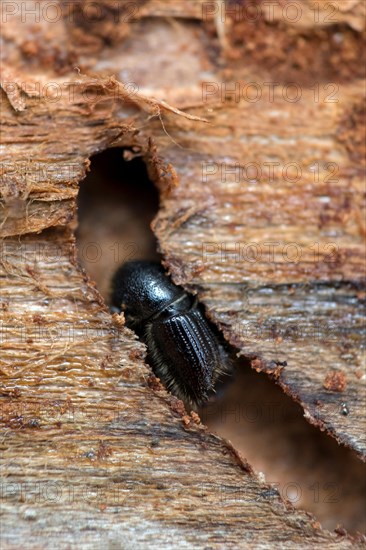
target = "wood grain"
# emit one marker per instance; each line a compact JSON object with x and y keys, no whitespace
{"x":89,"y":452}
{"x":280,"y":264}
{"x":93,"y":449}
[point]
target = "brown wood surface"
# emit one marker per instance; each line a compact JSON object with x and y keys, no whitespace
{"x":281,"y":264}
{"x":94,"y":452}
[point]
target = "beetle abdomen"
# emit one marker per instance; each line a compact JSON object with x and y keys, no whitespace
{"x":185,"y":354}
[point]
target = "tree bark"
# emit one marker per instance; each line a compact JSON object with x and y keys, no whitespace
{"x":94,"y":450}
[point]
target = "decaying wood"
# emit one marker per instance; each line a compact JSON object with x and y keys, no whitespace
{"x":281,"y":265}
{"x":89,"y":452}
{"x":93,"y":449}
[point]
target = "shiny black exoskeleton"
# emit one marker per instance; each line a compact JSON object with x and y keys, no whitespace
{"x":182,"y":348}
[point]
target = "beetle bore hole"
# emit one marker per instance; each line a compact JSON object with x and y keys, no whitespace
{"x":117,"y":203}
{"x":308,"y":467}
